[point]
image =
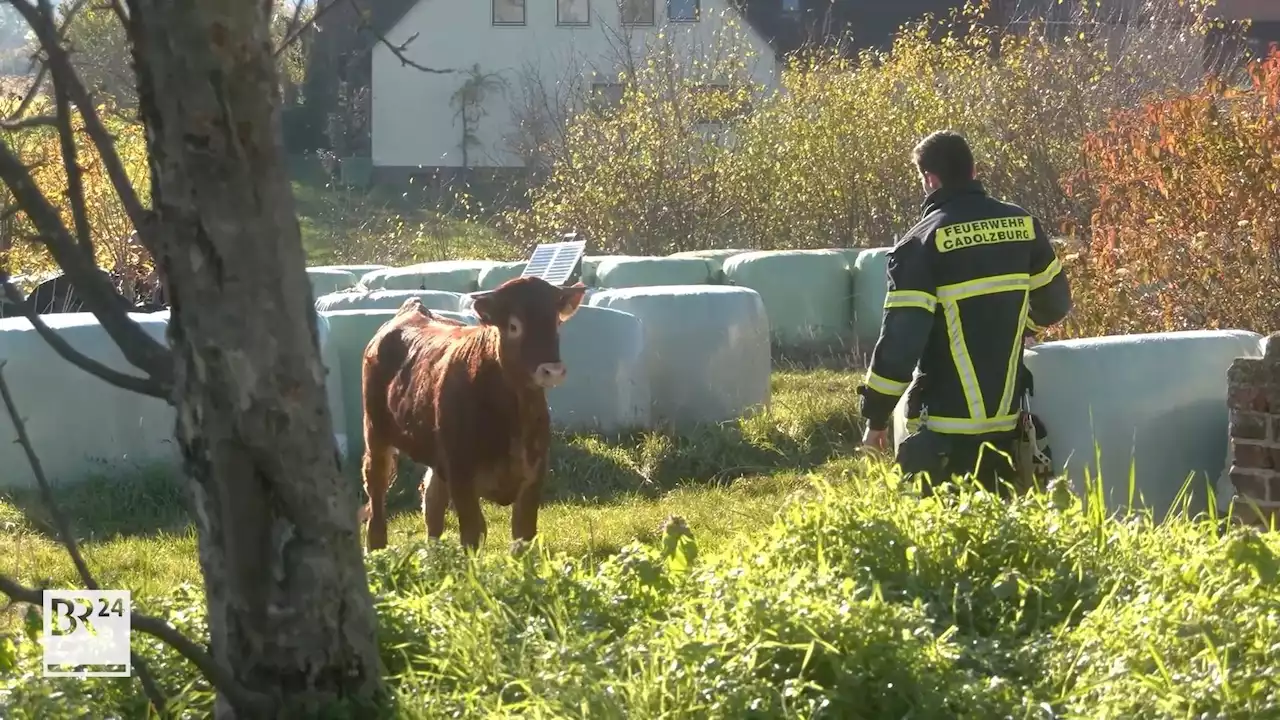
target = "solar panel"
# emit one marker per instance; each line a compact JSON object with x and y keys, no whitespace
{"x":556,"y":262}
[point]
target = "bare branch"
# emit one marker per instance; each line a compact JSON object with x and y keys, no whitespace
{"x":171,"y":636}
{"x":296,"y":30}
{"x":23,"y":123}
{"x":141,"y":350}
{"x":31,"y":94}
{"x":64,"y":528}
{"x":141,"y":385}
{"x":67,"y":143}
{"x":397,"y":50}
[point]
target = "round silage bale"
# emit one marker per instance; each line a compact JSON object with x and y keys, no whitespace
{"x":806,"y":293}
{"x":652,"y":272}
{"x":358,"y":270}
{"x":870,"y":285}
{"x":326,"y":280}
{"x":706,"y":349}
{"x":1155,"y":400}
{"x":606,"y":389}
{"x":388,"y":300}
{"x":459,"y":276}
{"x":591,"y":262}
{"x":499,"y":273}
{"x":715,"y":260}
{"x":333,"y":383}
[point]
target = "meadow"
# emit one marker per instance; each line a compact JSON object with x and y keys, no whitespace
{"x":762,"y":568}
{"x":768,"y":567}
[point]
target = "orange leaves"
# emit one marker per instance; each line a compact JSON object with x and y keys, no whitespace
{"x":1187,"y":229}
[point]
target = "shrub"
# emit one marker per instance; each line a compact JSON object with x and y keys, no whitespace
{"x":823,"y":159}
{"x":1186,"y":234}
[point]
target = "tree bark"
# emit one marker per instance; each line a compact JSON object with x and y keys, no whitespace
{"x":290,"y":613}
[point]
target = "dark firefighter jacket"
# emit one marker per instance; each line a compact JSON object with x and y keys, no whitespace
{"x":965,"y":284}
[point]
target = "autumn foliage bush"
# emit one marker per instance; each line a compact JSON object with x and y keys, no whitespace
{"x":823,"y":160}
{"x":1186,"y":233}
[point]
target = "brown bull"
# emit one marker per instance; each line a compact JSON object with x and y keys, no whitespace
{"x":469,"y":402}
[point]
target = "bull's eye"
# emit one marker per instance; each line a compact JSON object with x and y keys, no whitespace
{"x":514,"y":327}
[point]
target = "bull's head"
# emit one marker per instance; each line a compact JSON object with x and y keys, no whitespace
{"x":528,"y":312}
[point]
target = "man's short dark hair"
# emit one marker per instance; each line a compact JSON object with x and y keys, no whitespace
{"x":947,"y":155}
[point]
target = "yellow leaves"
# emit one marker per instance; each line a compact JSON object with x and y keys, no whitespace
{"x":110,"y":227}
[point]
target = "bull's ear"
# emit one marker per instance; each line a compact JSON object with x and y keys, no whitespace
{"x":486,"y":307}
{"x":570,"y":299}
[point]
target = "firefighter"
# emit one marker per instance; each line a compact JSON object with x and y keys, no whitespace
{"x":965,"y":286}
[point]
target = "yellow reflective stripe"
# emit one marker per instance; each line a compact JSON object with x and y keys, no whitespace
{"x":1032,"y":326}
{"x":910,"y":298}
{"x":882,"y":384}
{"x":913,"y":424}
{"x":984,"y":286}
{"x":963,"y":363}
{"x":1045,"y":276}
{"x":969,"y":426}
{"x":1011,"y":374}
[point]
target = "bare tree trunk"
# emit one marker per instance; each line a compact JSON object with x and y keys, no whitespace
{"x":290,"y":613}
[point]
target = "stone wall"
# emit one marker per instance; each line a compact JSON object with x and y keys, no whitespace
{"x":1253,"y":398}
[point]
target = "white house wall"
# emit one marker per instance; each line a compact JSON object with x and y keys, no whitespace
{"x":414,"y":122}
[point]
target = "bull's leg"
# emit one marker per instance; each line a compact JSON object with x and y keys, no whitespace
{"x":378,"y":471}
{"x":435,"y":503}
{"x":466,"y":503}
{"x":524,"y":516}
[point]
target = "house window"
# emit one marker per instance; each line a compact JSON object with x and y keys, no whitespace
{"x":682,"y":10}
{"x":573,"y":12}
{"x":508,"y":12}
{"x":636,"y":12}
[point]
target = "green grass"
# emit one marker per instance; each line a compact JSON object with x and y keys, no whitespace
{"x":355,"y":226}
{"x":801,"y":581}
{"x":602,"y":493}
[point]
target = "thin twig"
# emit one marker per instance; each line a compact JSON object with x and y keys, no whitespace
{"x":397,"y":50}
{"x":63,"y":526}
{"x":111,"y":376}
{"x":221,"y":681}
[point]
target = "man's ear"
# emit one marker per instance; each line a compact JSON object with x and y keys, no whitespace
{"x":570,"y":299}
{"x":487,"y":307}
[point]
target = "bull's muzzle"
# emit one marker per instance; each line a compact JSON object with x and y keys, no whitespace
{"x":549,"y":375}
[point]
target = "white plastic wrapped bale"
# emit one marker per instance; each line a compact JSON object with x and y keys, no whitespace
{"x":715,"y":260}
{"x":349,"y":332}
{"x":870,"y":286}
{"x":1157,"y":400}
{"x":358,"y":270}
{"x":499,"y":273}
{"x":590,"y":263}
{"x":79,"y":425}
{"x":806,"y":293}
{"x":607,"y":386}
{"x":333,"y":383}
{"x":652,"y":272}
{"x":461,"y":276}
{"x":851,"y":254}
{"x":326,"y":280}
{"x":706,"y":349}
{"x":388,"y":299}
